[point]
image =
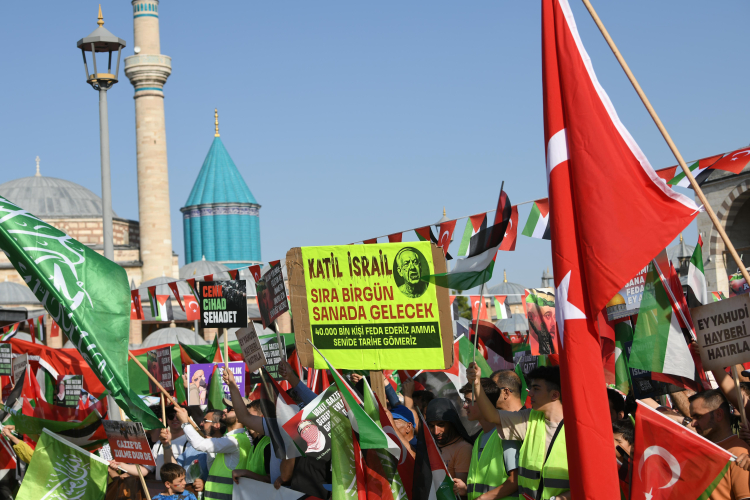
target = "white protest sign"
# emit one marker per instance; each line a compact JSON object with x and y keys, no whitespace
{"x":20,"y":362}
{"x":722,"y":332}
{"x":252,"y":351}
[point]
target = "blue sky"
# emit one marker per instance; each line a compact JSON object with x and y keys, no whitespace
{"x":350,"y":120}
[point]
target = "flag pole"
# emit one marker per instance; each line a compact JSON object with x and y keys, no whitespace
{"x":163,"y":411}
{"x":740,"y":399}
{"x":143,"y":482}
{"x":476,"y":340}
{"x":226,"y":348}
{"x":670,"y":143}
{"x":161,"y":387}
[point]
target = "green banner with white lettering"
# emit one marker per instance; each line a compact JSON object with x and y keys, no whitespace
{"x":86,"y":294}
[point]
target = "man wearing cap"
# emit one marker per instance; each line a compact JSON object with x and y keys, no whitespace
{"x":231,"y":451}
{"x":403,"y":420}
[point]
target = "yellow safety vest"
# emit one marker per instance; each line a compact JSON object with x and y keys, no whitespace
{"x":487,"y":471}
{"x":532,"y":465}
{"x":219,"y":485}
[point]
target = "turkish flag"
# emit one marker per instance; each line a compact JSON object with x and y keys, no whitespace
{"x":475,"y":301}
{"x":511,"y":233}
{"x":255,"y":271}
{"x":192,"y":309}
{"x":446,"y":234}
{"x":734,"y":162}
{"x":610,"y":214}
{"x":136,"y":310}
{"x":671,"y":462}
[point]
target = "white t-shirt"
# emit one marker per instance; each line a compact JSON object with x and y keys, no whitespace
{"x":178,"y":446}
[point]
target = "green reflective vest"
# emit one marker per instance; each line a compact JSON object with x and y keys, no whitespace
{"x":257,"y":462}
{"x":219,"y":484}
{"x":532,"y":466}
{"x":487,"y":471}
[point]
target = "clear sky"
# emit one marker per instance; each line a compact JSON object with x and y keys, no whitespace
{"x":350,"y":120}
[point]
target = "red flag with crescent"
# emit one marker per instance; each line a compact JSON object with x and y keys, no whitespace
{"x":610,"y":214}
{"x":446,"y":234}
{"x":192,"y":309}
{"x":255,"y":271}
{"x":511,"y":233}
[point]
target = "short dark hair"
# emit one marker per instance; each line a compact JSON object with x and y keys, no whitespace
{"x":616,"y":400}
{"x":745,"y":387}
{"x":490,"y":389}
{"x":170,"y":472}
{"x":425,"y":396}
{"x":255,"y":405}
{"x":625,"y":427}
{"x":508,"y":379}
{"x":550,"y":375}
{"x":713,"y":398}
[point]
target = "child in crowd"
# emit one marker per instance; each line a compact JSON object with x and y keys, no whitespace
{"x":173,"y":476}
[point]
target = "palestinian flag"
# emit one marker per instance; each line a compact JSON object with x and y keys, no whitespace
{"x":165,"y":308}
{"x":476,"y":269}
{"x":9,"y":332}
{"x":466,"y":355}
{"x":154,"y":303}
{"x":431,"y":479}
{"x":368,"y":433}
{"x":89,"y":433}
{"x":537,"y":225}
{"x":278,"y":408}
{"x":191,"y":354}
{"x":60,"y":469}
{"x":699,"y":169}
{"x":717,"y":296}
{"x":500,"y":310}
{"x":36,"y":328}
{"x":673,"y":462}
{"x":493,"y":338}
{"x":658,"y":341}
{"x":425,"y":234}
{"x":475,"y":224}
{"x":697,"y":291}
{"x":380,"y":468}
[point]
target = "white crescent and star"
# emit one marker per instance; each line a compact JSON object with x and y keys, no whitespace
{"x":674,"y":465}
{"x":446,"y":235}
{"x":736,"y":155}
{"x":563,"y":309}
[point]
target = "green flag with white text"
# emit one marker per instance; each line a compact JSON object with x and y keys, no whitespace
{"x":87,"y":295}
{"x":60,"y":470}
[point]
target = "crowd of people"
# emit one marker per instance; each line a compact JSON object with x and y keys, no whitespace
{"x":518,"y":452}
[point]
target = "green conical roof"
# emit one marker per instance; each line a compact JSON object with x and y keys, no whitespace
{"x":219,"y":181}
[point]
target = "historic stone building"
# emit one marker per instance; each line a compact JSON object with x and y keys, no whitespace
{"x":729,"y":196}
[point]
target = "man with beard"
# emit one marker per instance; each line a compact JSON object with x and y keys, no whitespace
{"x":540,"y":309}
{"x":410,"y":270}
{"x":231,"y":451}
{"x":451,"y":437}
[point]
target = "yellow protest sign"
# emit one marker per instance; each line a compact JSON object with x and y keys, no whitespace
{"x":365,"y":307}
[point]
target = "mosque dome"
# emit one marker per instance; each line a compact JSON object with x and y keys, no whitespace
{"x":49,"y":197}
{"x":13,"y":294}
{"x":173,"y":335}
{"x":516,"y":323}
{"x":203,"y":267}
{"x":513,"y":291}
{"x":221,"y":217}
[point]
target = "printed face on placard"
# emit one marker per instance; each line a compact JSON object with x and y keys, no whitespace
{"x":408,"y":266}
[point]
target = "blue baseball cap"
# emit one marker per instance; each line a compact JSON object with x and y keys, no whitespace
{"x":401,"y":412}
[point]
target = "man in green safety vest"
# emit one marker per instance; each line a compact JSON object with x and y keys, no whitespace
{"x":258,"y":464}
{"x":493,"y":471}
{"x":543,"y":459}
{"x":232,"y":451}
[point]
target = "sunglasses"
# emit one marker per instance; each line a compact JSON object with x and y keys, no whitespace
{"x":171,"y":416}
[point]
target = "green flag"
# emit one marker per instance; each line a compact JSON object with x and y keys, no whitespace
{"x":60,"y":470}
{"x":343,"y":466}
{"x":216,"y":390}
{"x":88,"y":434}
{"x":466,"y":356}
{"x":369,"y":433}
{"x":86,"y":294}
{"x":139,"y":380}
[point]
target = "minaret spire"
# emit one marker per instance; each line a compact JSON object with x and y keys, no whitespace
{"x":216,"y":121}
{"x":100,"y":22}
{"x":37,"y":168}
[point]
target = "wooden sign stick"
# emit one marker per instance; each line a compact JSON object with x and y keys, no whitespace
{"x":163,"y":411}
{"x":143,"y":482}
{"x":226,"y":347}
{"x":161,"y":388}
{"x":740,"y":399}
{"x":670,"y":143}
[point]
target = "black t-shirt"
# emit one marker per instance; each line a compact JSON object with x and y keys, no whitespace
{"x":310,"y":475}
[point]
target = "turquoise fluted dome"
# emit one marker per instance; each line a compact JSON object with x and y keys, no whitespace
{"x":221,"y":216}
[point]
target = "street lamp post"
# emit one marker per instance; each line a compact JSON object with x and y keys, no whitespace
{"x":101,"y":40}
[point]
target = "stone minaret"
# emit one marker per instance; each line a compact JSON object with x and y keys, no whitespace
{"x":148,"y":70}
